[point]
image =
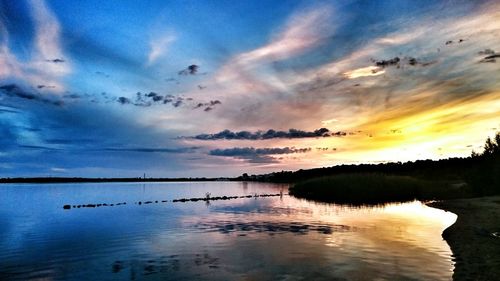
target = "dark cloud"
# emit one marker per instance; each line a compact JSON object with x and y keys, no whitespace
{"x":72,"y":96}
{"x":486,"y":52}
{"x":245,"y":151}
{"x":45,"y":86}
{"x":177,"y":103}
{"x":257,"y":155}
{"x":209,"y":106}
{"x":396,"y":61}
{"x":56,"y":60}
{"x":124,"y":100}
{"x":490,"y":58}
{"x":37,"y":147}
{"x":269,"y":134}
{"x":385,"y":63}
{"x":150,"y":150}
{"x":65,"y":141}
{"x":13,"y":90}
{"x":102,"y":74}
{"x":152,"y":98}
{"x":190,"y":70}
{"x":449,"y":42}
{"x":3,"y":110}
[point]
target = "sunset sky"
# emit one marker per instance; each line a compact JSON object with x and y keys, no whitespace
{"x":219,"y":88}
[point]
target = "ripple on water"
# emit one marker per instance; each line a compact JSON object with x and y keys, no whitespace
{"x":264,"y":238}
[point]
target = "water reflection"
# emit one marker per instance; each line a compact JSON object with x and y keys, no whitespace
{"x":265,"y":238}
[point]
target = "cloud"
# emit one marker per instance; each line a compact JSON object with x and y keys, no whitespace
{"x":34,"y":69}
{"x":58,"y":170}
{"x":48,"y":39}
{"x":490,"y":58}
{"x":56,"y":60}
{"x":158,"y":47}
{"x":269,"y":134}
{"x":486,"y":52}
{"x":242,"y":151}
{"x":364,"y":72}
{"x":124,"y":100}
{"x":190,"y":70}
{"x":385,"y":63}
{"x":153,"y":98}
{"x":38,"y":147}
{"x":152,"y":150}
{"x":13,"y":90}
{"x":257,"y":155}
{"x":2,"y":110}
{"x":329,"y":121}
{"x":101,"y":73}
{"x":45,"y":86}
{"x":208,"y":105}
{"x":303,"y":30}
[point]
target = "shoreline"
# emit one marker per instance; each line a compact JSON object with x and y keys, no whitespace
{"x":476,"y":250}
{"x":45,"y":180}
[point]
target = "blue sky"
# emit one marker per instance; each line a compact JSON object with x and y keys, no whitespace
{"x":192,"y":88}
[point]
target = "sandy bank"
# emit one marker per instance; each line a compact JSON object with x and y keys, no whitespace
{"x":473,"y":239}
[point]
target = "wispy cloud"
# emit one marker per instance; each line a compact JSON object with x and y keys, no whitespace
{"x":159,"y":46}
{"x":303,"y":31}
{"x":364,"y":71}
{"x":48,"y":63}
{"x":151,"y":149}
{"x":48,"y":40}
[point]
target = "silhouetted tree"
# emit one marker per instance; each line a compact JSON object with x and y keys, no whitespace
{"x":484,"y":178}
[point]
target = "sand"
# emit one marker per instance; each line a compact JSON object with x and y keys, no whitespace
{"x":472,"y":238}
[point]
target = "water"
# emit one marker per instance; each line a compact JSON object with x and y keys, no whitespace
{"x":264,"y":238}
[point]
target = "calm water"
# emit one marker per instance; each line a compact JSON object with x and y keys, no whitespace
{"x":269,"y":238}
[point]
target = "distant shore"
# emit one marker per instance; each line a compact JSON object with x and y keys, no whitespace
{"x":376,"y":189}
{"x":475,"y":237}
{"x":89,"y":180}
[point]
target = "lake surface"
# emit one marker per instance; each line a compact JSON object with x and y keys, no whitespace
{"x":263,"y":238}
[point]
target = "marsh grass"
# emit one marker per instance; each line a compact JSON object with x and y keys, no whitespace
{"x":374,"y":189}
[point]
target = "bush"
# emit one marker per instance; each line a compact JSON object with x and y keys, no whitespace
{"x":372,"y":189}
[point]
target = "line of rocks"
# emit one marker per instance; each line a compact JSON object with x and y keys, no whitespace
{"x":67,"y":207}
{"x":206,"y":199}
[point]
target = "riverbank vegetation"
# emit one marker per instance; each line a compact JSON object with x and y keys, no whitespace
{"x":473,"y":176}
{"x":374,"y":188}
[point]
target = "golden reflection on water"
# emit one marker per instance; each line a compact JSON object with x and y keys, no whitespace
{"x":399,"y":241}
{"x":382,"y":240}
{"x":397,"y":230}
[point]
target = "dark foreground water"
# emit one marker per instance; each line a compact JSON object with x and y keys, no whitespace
{"x":264,"y":238}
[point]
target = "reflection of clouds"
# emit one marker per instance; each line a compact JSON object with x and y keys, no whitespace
{"x":269,"y":227}
{"x":267,"y":238}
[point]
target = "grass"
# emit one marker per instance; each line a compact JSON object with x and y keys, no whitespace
{"x":374,"y":189}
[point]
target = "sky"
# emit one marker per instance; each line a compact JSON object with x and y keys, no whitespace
{"x":220,"y":88}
